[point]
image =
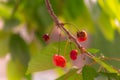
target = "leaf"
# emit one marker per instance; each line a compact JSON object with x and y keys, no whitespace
{"x":114,"y":7}
{"x":19,"y":51}
{"x":110,"y":7}
{"x":13,"y":72}
{"x":10,"y":23}
{"x":43,"y":59}
{"x":16,"y":72}
{"x":92,"y":50}
{"x":106,"y":66}
{"x":88,"y":73}
{"x":71,"y":75}
{"x":4,"y":43}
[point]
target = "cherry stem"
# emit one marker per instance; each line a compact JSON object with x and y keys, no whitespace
{"x":70,"y":45}
{"x":59,"y":43}
{"x":65,"y":47}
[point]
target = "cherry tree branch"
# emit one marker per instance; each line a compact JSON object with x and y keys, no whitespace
{"x":74,"y":39}
{"x":61,"y":26}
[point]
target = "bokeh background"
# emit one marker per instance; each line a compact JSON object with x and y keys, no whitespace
{"x":23,"y":22}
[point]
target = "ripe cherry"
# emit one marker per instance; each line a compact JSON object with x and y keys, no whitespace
{"x":46,"y":37}
{"x":59,"y":60}
{"x":81,"y":36}
{"x":73,"y":54}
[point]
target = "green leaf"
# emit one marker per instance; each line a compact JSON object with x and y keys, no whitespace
{"x":43,"y":59}
{"x":110,"y":7}
{"x":88,"y":73}
{"x":71,"y":75}
{"x":106,"y":66}
{"x":4,"y":43}
{"x":10,"y":23}
{"x":14,"y":72}
{"x":92,"y":50}
{"x":19,"y":51}
{"x":114,"y":7}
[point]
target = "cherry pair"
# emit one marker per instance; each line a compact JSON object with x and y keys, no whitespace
{"x":60,"y":61}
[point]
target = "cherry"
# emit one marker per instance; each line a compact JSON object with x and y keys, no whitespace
{"x":73,"y":54}
{"x":59,"y":60}
{"x":46,"y":37}
{"x":81,"y":36}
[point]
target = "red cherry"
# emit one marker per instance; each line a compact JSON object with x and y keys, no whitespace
{"x":46,"y":37}
{"x":73,"y":54}
{"x":81,"y":36}
{"x":59,"y":60}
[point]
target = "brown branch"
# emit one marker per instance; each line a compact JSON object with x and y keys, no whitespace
{"x":72,"y":37}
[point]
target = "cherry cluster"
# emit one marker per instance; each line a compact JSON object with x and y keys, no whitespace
{"x":60,"y":60}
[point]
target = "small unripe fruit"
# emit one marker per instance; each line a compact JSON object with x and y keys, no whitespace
{"x":73,"y":54}
{"x":81,"y":36}
{"x":46,"y":37}
{"x":59,"y":60}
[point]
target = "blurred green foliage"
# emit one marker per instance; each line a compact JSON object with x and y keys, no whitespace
{"x":101,"y":19}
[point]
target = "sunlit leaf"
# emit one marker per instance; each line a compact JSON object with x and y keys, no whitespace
{"x":14,"y":72}
{"x":111,"y":7}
